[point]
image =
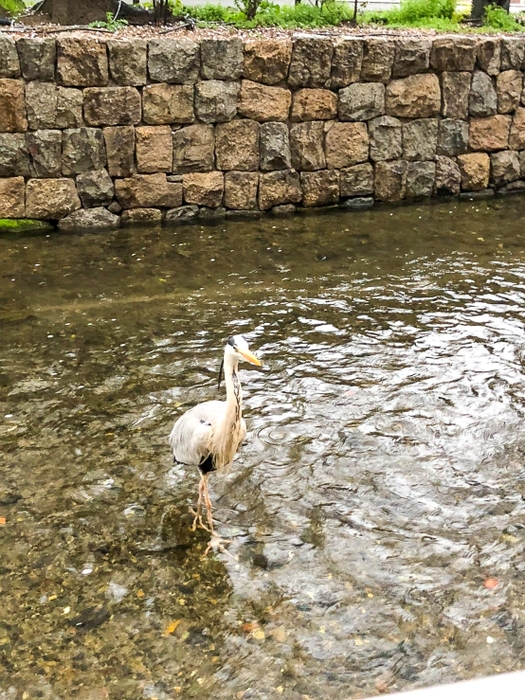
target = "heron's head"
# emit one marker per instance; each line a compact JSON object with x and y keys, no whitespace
{"x":238,"y":346}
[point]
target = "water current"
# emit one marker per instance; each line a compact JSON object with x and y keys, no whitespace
{"x":376,"y":511}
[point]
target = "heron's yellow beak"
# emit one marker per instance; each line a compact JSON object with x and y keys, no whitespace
{"x":249,"y":357}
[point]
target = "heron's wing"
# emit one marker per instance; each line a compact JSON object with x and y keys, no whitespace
{"x":192,"y":433}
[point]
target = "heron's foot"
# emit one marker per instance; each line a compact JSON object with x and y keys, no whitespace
{"x":197,"y":521}
{"x":217,"y":543}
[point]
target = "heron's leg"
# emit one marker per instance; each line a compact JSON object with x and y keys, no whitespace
{"x":197,"y":521}
{"x":207,"y":501}
{"x":216,"y":542}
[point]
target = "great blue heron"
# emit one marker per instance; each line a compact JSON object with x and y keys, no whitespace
{"x":209,"y":434}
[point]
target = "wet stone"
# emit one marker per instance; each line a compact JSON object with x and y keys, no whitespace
{"x":173,"y":60}
{"x":358,"y":203}
{"x":45,"y":149}
{"x":136,"y":217}
{"x":37,"y":58}
{"x":311,"y":62}
{"x":267,"y":60}
{"x":128,"y":62}
{"x":221,"y":59}
{"x":194,"y":149}
{"x":82,"y":149}
{"x":185,"y":213}
{"x":280,"y":187}
{"x":483,"y":100}
{"x":378,"y":59}
{"x":306,"y":142}
{"x":361,"y":101}
{"x":98,"y":218}
{"x":14,"y":155}
{"x":212,"y":213}
{"x":411,"y":56}
{"x":9,"y":63}
{"x":385,"y":138}
{"x":505,"y":167}
{"x":95,"y":188}
{"x":347,"y":62}
{"x":120,"y":150}
{"x":452,"y":137}
{"x":487,"y":193}
{"x":357,"y":180}
{"x":420,"y":139}
{"x":216,"y":100}
{"x":448,"y":176}
{"x":275,"y":146}
{"x":420,"y":179}
{"x":390,"y":180}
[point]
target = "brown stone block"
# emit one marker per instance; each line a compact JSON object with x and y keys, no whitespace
{"x":347,"y":62}
{"x":128,"y":61}
{"x":51,"y":198}
{"x":489,"y":55}
{"x":237,"y":145}
{"x":12,"y":198}
{"x":96,"y":219}
{"x":168,"y":104}
{"x":204,"y":189}
{"x":453,"y":54}
{"x":146,"y":191}
{"x":475,"y":171}
{"x":310,"y":104}
{"x":456,"y":90}
{"x":120,"y":150}
{"x":509,"y":85}
{"x":412,"y":56}
{"x":390,"y":180}
{"x":264,"y":103}
{"x":378,"y":59}
{"x":267,"y":60}
{"x":346,"y":143}
{"x":490,"y":133}
{"x":279,"y":187}
{"x":415,"y":97}
{"x":311,"y":62}
{"x":12,"y":105}
{"x":512,"y":53}
{"x":240,"y":190}
{"x":53,"y":107}
{"x":357,"y":180}
{"x":154,"y":149}
{"x":321,"y":188}
{"x":193,"y":149}
{"x":517,"y":130}
{"x":306,"y":142}
{"x":112,"y":106}
{"x":136,"y":217}
{"x":82,"y":62}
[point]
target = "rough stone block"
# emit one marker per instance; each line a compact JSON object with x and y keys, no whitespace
{"x":194,"y":149}
{"x":95,"y":188}
{"x":45,"y":149}
{"x":415,"y":97}
{"x":452,"y":137}
{"x":456,"y":90}
{"x":505,"y":167}
{"x":112,"y":106}
{"x":174,"y":60}
{"x":96,"y":219}
{"x":120,"y":150}
{"x":347,"y":62}
{"x":136,"y":217}
{"x":274,"y":142}
{"x":12,"y":198}
{"x":280,"y":187}
{"x":237,"y":145}
{"x":522,"y":163}
{"x":490,"y":133}
{"x":509,"y":86}
{"x":204,"y":189}
{"x":453,"y":54}
{"x":12,"y":105}
{"x":420,"y":139}
{"x":378,"y":59}
{"x":361,"y":101}
{"x":37,"y":58}
{"x":146,"y":191}
{"x":216,"y":100}
{"x":9,"y":63}
{"x":82,"y":62}
{"x":306,"y":142}
{"x":240,"y":190}
{"x":310,"y":104}
{"x":154,"y":149}
{"x":53,"y":107}
{"x":512,"y":53}
{"x":448,"y":176}
{"x":386,"y":141}
{"x":264,"y":103}
{"x":483,"y":100}
{"x":128,"y":61}
{"x":421,"y":177}
{"x":489,"y":55}
{"x":412,"y":56}
{"x":390,"y":180}
{"x":267,"y":60}
{"x":346,"y":143}
{"x":475,"y":171}
{"x":311,"y":62}
{"x":357,"y":180}
{"x":320,"y":188}
{"x":14,"y":155}
{"x":82,"y":149}
{"x":167,"y":104}
{"x":222,"y":59}
{"x":51,"y":198}
{"x":188,"y":212}
{"x":517,"y":130}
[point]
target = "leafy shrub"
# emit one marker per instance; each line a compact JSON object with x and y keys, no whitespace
{"x":496,"y":17}
{"x":13,"y":7}
{"x":111,"y":23}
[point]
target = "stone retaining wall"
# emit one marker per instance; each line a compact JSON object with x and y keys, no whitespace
{"x":95,"y":132}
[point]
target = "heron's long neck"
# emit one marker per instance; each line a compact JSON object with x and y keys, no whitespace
{"x":233,"y":390}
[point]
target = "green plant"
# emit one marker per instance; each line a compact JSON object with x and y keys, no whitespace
{"x":435,"y":14}
{"x":496,"y":17}
{"x":111,"y":24}
{"x":14,"y":7}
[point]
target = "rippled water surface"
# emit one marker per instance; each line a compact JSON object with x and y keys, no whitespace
{"x":380,"y":486}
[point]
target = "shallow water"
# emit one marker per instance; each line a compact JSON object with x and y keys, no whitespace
{"x":381,"y":482}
